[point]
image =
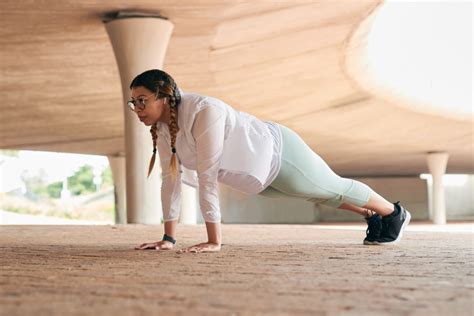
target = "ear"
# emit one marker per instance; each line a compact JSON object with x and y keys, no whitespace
{"x":164,"y":101}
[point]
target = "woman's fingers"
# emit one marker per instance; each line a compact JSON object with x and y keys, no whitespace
{"x":159,"y":245}
{"x":140,"y":247}
{"x":137,"y":247}
{"x":146,"y":246}
{"x":183,"y":250}
{"x":204,"y":247}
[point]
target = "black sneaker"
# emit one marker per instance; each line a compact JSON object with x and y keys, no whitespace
{"x":393,"y":226}
{"x":374,"y":228}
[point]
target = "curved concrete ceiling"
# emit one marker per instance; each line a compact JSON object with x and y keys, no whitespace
{"x":424,"y":63}
{"x":281,"y":61}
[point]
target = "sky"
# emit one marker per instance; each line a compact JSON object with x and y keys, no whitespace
{"x":58,"y":165}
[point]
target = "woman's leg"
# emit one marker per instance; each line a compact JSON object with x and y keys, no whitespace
{"x":272,"y":193}
{"x":380,"y":205}
{"x":376,"y":202}
{"x":356,"y":209}
{"x":305,"y":174}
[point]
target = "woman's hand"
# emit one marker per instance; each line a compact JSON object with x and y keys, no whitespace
{"x":159,"y":245}
{"x":202,"y":247}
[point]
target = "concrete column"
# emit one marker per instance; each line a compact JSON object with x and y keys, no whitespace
{"x":437,"y":162}
{"x":139,"y":42}
{"x":117,"y":165}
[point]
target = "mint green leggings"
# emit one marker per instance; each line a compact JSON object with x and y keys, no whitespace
{"x":306,"y":175}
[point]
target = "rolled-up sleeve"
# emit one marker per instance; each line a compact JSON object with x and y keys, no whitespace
{"x":170,"y":188}
{"x":208,"y":131}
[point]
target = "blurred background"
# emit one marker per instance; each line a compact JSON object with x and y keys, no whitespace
{"x":48,"y":188}
{"x":55,"y":188}
{"x":381,"y":90}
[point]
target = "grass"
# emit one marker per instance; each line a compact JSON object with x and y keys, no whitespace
{"x":98,"y":210}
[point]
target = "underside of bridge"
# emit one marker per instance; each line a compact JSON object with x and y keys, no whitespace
{"x":285,"y":61}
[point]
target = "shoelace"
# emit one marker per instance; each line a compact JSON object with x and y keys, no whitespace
{"x":374,"y":227}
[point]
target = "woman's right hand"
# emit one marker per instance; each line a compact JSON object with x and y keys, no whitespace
{"x":159,"y":245}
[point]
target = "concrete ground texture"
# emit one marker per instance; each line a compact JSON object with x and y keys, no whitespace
{"x":261,"y":270}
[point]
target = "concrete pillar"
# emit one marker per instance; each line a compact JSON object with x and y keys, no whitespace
{"x":117,"y":165}
{"x":437,"y":162}
{"x":139,"y":42}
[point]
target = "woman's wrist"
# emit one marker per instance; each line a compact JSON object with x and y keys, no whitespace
{"x":170,"y":228}
{"x":214,"y":233}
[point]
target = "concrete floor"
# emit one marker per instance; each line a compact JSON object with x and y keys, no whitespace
{"x":262,"y":269}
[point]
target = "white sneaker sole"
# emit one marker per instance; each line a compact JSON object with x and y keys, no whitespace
{"x":396,"y":241}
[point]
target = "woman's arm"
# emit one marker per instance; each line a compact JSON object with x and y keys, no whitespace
{"x":170,"y":199}
{"x":208,"y":131}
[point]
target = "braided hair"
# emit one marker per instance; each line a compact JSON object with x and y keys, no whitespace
{"x":163,"y":86}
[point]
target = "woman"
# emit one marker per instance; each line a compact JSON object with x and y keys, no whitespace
{"x":220,"y":144}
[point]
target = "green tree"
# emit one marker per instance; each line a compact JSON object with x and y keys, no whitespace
{"x":54,"y":189}
{"x":10,"y":152}
{"x":82,"y":181}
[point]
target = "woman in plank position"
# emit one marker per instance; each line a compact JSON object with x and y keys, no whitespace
{"x":219,"y":144}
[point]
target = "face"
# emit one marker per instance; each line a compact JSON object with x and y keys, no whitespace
{"x":154,"y":110}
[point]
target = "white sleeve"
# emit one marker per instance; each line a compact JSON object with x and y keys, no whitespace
{"x":170,"y":189}
{"x":208,"y":131}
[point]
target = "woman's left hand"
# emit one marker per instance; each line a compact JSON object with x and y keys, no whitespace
{"x":202,"y":247}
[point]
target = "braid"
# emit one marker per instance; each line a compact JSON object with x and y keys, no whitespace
{"x":154,"y":135}
{"x":173,"y":131}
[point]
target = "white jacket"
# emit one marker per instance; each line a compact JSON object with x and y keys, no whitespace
{"x":216,"y":143}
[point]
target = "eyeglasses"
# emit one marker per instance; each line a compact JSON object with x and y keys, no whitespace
{"x":139,"y":104}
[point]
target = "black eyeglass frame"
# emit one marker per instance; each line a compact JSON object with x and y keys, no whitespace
{"x":142,"y":101}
